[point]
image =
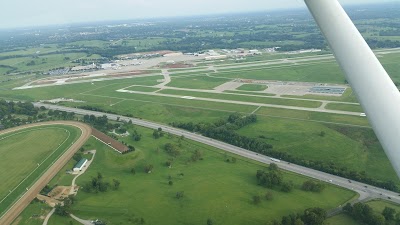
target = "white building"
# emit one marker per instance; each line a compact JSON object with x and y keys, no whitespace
{"x":79,"y":166}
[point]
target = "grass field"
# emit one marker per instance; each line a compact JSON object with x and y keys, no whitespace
{"x":313,"y":116}
{"x":352,"y":147}
{"x":321,"y":72}
{"x":213,"y":188}
{"x":24,"y":150}
{"x":252,"y":87}
{"x":249,"y":93}
{"x":344,"y":107}
{"x":341,"y":219}
{"x":254,"y":99}
{"x":142,"y":89}
{"x":197,"y":82}
{"x":379,"y":205}
{"x":32,"y":213}
{"x":43,"y":63}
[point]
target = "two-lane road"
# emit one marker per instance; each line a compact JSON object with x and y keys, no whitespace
{"x":366,"y":191}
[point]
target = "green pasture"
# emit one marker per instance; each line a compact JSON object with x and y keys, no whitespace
{"x":213,"y":188}
{"x":244,"y":98}
{"x":27,"y":154}
{"x":355,"y":148}
{"x":344,"y":107}
{"x":252,"y":87}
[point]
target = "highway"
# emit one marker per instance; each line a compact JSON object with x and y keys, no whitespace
{"x":365,"y":191}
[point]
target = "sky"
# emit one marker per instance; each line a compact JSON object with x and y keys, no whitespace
{"x":26,"y":13}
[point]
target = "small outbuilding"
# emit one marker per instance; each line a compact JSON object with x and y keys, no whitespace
{"x":79,"y":166}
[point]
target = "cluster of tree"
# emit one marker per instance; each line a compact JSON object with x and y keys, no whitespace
{"x":158,"y":133}
{"x":224,"y":130}
{"x":77,"y":156}
{"x":64,"y":209}
{"x":378,"y":43}
{"x":180,"y":194}
{"x":172,"y":149}
{"x":273,"y":178}
{"x":311,"y":216}
{"x":9,"y":112}
{"x":20,"y":108}
{"x":366,"y":215}
{"x":241,"y":121}
{"x":136,"y":136}
{"x":313,"y":186}
{"x":196,"y":156}
{"x":58,"y":114}
{"x":98,"y":184}
{"x":101,"y":123}
{"x":148,"y":168}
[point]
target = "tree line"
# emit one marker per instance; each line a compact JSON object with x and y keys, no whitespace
{"x":224,"y":130}
{"x":364,"y":214}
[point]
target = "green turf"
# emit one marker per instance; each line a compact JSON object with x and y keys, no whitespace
{"x":254,"y":99}
{"x":249,"y":93}
{"x":379,"y":205}
{"x":197,"y":82}
{"x":344,"y":107}
{"x":341,"y":219}
{"x":142,"y":89}
{"x":32,"y":214}
{"x":252,"y":87}
{"x":23,"y":150}
{"x":60,"y":220}
{"x":213,"y":188}
{"x":352,"y":147}
{"x":324,"y":72}
{"x":312,"y":116}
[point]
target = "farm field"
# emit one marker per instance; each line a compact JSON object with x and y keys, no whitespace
{"x":211,"y":189}
{"x":32,"y":151}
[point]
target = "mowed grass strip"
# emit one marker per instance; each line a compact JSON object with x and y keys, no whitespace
{"x":254,"y":99}
{"x":197,"y":82}
{"x":249,"y":93}
{"x":344,"y":107}
{"x":142,"y":89}
{"x":313,"y":116}
{"x":252,"y":87}
{"x":213,"y":188}
{"x":22,"y":151}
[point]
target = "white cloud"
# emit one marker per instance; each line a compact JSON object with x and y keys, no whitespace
{"x":39,"y":12}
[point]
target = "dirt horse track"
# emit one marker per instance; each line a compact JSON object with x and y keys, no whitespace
{"x":24,"y":201}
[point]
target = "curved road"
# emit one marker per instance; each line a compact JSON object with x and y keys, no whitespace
{"x":365,"y":191}
{"x":24,"y":201}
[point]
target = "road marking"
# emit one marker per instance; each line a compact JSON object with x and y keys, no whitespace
{"x":259,"y":107}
